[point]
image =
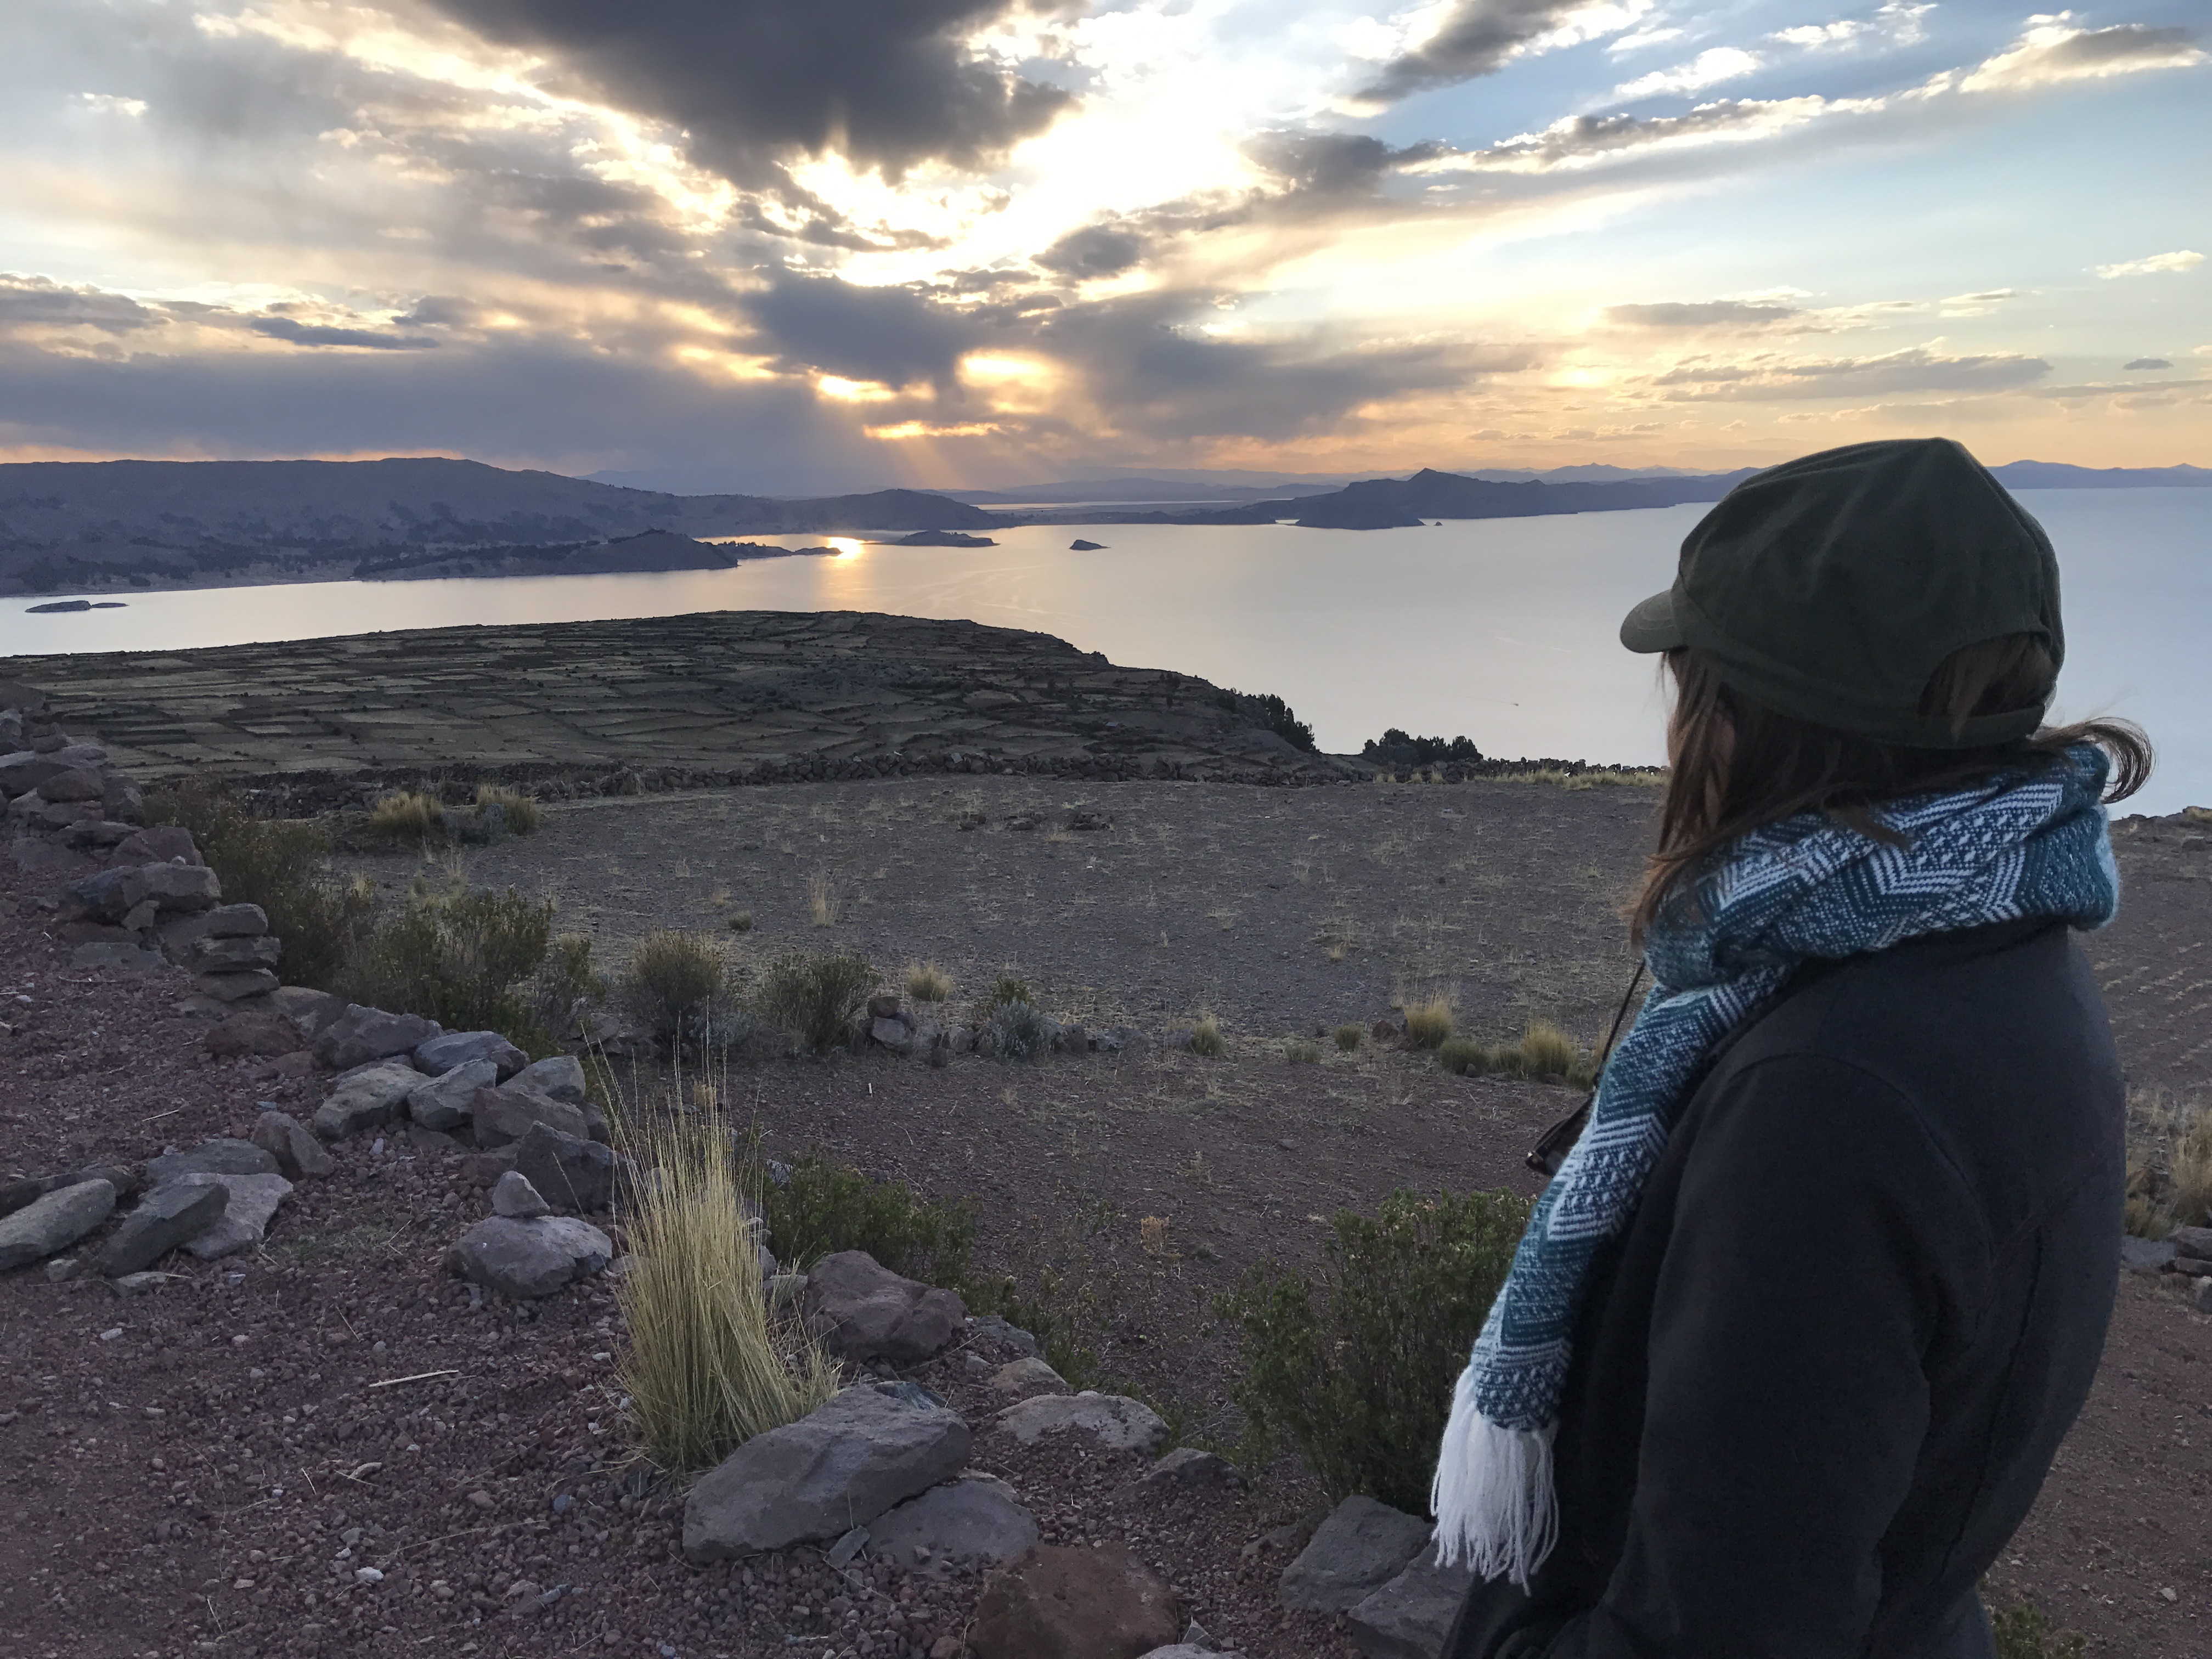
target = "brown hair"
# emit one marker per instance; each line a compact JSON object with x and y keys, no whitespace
{"x":1737,"y":765}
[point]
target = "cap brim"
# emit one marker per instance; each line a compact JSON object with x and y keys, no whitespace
{"x":1652,"y":625}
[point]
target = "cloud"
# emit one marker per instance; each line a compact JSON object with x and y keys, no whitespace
{"x":1709,"y":313}
{"x":107,"y":103}
{"x":2148,"y":362}
{"x":26,"y":300}
{"x":889,"y":84}
{"x":1094,"y":251}
{"x":2053,"y":52}
{"x":891,"y":336}
{"x":317,"y":334}
{"x":1476,"y":38}
{"x":1333,"y":163}
{"x":1579,"y":140}
{"x":1915,"y":369}
{"x":1708,"y":68}
{"x":1897,"y":22}
{"x":1976,"y":305}
{"x":2157,"y":265}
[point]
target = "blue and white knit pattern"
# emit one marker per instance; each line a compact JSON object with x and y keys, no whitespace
{"x":1802,"y":890}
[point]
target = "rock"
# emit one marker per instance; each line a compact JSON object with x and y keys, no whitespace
{"x":886,"y":1006}
{"x":2201,"y":1294}
{"x":976,"y":1518}
{"x":840,"y":1553}
{"x":180,"y":886}
{"x":2146,"y":1255}
{"x":2191,"y":1242}
{"x":366,"y":1097}
{"x":838,"y":1467}
{"x":19,"y":1194}
{"x":504,"y":1115}
{"x":24,"y":770}
{"x":561,"y":1077}
{"x":249,"y":1206}
{"x":1362,"y":1547}
{"x":312,"y":1012}
{"x":1070,"y":1602}
{"x":443,"y":1102}
{"x":512,"y":1196}
{"x":54,"y":1222}
{"x":1026,"y":1377}
{"x":236,"y":955}
{"x":2192,"y":1267}
{"x":1071,"y":1040}
{"x":569,"y":1172}
{"x":218,"y":1157}
{"x":1113,"y":1422}
{"x":431,"y":1140}
{"x":1079,"y":545}
{"x":1192,"y":1651}
{"x":127,"y":1179}
{"x":484,"y":1169}
{"x":165,"y":843}
{"x":1188,"y":1467}
{"x":360,"y":1035}
{"x":527,"y":1259}
{"x":299,"y":1155}
{"x":892,"y":1034}
{"x":996,"y":1328}
{"x":252,"y":1032}
{"x":237,"y":987}
{"x":235,"y":921}
{"x":442,"y":1054}
{"x":865,"y":1312}
{"x":74,"y":783}
{"x":167,"y":1216}
{"x":1409,"y":1617}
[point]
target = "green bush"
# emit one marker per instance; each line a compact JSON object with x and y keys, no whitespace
{"x":1545,"y":1050}
{"x":459,"y":958}
{"x":825,"y":1208}
{"x":2023,"y":1633}
{"x":1355,"y":1369}
{"x":1007,"y":988}
{"x":1299,"y":1052}
{"x":1428,"y":1023}
{"x":816,"y":997}
{"x":1018,"y":1032}
{"x":1206,"y":1039}
{"x":671,"y":974}
{"x":277,"y":865}
{"x":565,"y":986}
{"x":1463,"y":1056}
{"x":1348,"y":1036}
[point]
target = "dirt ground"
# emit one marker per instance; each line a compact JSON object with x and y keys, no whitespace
{"x":167,"y":1489}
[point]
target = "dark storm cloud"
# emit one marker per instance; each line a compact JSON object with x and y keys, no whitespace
{"x":317,"y":334}
{"x":1331,"y":163}
{"x":2148,"y":362}
{"x":1475,"y":40}
{"x":1708,"y":313}
{"x":1094,"y":251}
{"x":890,"y":335}
{"x":34,"y":300}
{"x":888,"y":82}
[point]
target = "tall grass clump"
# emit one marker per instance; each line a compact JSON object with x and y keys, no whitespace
{"x":459,"y":957}
{"x":706,"y":1369}
{"x":408,"y":815}
{"x":1463,"y":1057}
{"x":1353,"y":1367}
{"x":278,"y":865}
{"x":1301,"y":1051}
{"x":825,"y":905}
{"x":671,"y":976}
{"x":817,"y":998}
{"x":2169,"y":1163}
{"x":1428,"y":1023}
{"x":522,"y":812}
{"x":928,"y":982}
{"x":1544,"y":1050}
{"x":1206,"y":1039}
{"x":1348,"y":1037}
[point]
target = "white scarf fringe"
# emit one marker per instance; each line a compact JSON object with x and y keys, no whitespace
{"x":1493,"y":1494}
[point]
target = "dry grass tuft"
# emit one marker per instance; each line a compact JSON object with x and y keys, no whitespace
{"x":1348,"y":1037}
{"x":824,"y":903}
{"x":928,"y":982}
{"x":1301,"y":1051}
{"x":2169,"y":1163}
{"x":1464,"y":1057}
{"x":408,"y":815}
{"x":1206,"y":1038}
{"x":1428,"y":1023}
{"x":524,"y":814}
{"x":705,"y":1367}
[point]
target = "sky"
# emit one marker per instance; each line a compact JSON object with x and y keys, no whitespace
{"x":794,"y":245}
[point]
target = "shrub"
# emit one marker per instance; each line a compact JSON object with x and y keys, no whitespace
{"x":825,"y":1208}
{"x":928,"y":982}
{"x":705,"y":1369}
{"x":1206,"y":1038}
{"x":407,"y":814}
{"x":2169,"y":1163}
{"x":672,"y":975}
{"x":816,"y":997}
{"x":1397,"y":748}
{"x":741,"y":921}
{"x":1299,"y":1052}
{"x":566,"y":985}
{"x":1428,"y":1023}
{"x":1007,"y":987}
{"x":279,"y":866}
{"x":523,"y":812}
{"x":1463,"y":1056}
{"x":1019,"y":1031}
{"x":459,"y":957}
{"x":1354,"y":1367}
{"x":1544,"y":1050}
{"x":2023,"y":1633}
{"x":1348,"y":1037}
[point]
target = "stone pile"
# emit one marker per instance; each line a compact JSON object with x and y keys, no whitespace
{"x":908,"y":1031}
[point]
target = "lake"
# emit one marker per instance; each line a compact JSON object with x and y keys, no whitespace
{"x":1501,"y":628}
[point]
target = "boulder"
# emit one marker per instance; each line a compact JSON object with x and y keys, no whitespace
{"x":217,"y":1156}
{"x":166,"y":1218}
{"x":249,"y":1204}
{"x":1111,"y":1422}
{"x":360,"y":1035}
{"x":74,"y":783}
{"x":180,"y":886}
{"x":2148,"y":1255}
{"x":235,"y":921}
{"x":893,"y":1034}
{"x":1071,"y":1040}
{"x":53,"y":1222}
{"x":996,"y":1328}
{"x":504,"y":1115}
{"x":562,"y":1077}
{"x":235,"y":953}
{"x":1067,"y":1602}
{"x":527,"y":1259}
{"x":1409,"y":1617}
{"x":513,"y":1197}
{"x":25,"y":769}
{"x":108,"y":895}
{"x":1362,"y":1547}
{"x":443,"y":1102}
{"x":299,"y":1155}
{"x":974,"y":1519}
{"x":1022,"y":1378}
{"x":19,"y":1192}
{"x":865,"y":1312}
{"x":128,"y":1179}
{"x":2195,"y":1242}
{"x":252,"y":1032}
{"x":237,"y":987}
{"x":441,"y":1055}
{"x":366,"y":1097}
{"x":314,"y":1012}
{"x":570,"y":1172}
{"x":1191,"y":1469}
{"x":162,"y":843}
{"x":838,"y":1467}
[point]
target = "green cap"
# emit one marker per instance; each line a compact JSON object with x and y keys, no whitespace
{"x":1830,"y":587}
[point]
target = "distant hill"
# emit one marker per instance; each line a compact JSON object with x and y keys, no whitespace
{"x":2057,"y":475}
{"x":72,"y":524}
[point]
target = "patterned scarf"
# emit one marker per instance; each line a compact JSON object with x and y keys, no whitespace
{"x":1804,"y":889}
